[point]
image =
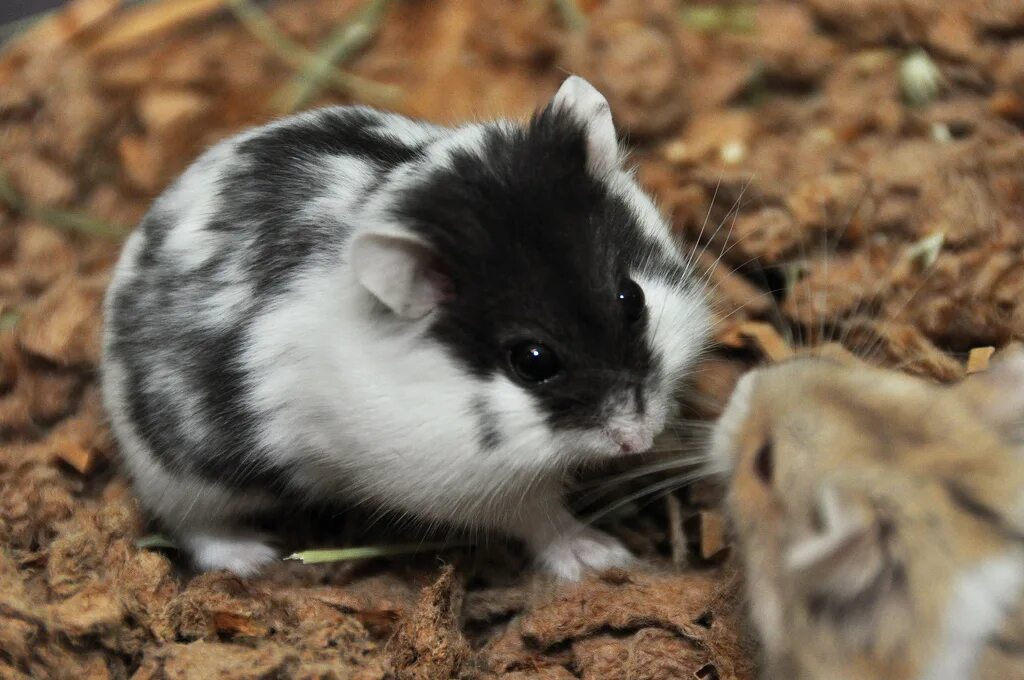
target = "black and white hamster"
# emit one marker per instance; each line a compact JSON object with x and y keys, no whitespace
{"x":349,"y":304}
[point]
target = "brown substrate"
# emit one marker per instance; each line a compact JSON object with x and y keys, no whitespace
{"x":776,"y":136}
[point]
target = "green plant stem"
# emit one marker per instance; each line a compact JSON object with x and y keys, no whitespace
{"x":364,"y":552}
{"x":571,"y":14}
{"x":61,"y":219}
{"x":729,"y":19}
{"x":9,"y":320}
{"x":261,"y":27}
{"x":346,"y":42}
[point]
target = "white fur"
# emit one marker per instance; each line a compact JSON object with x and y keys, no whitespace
{"x":981,"y":600}
{"x":408,"y":131}
{"x":623,"y":184}
{"x":355,"y":174}
{"x":179,"y":499}
{"x":590,"y":108}
{"x":323,"y":348}
{"x":195,"y":202}
{"x":394,"y":268}
{"x":239,"y":554}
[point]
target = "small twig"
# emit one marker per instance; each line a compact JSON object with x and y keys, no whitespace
{"x":62,"y":219}
{"x":261,"y":27}
{"x":342,"y":45}
{"x":738,"y":19}
{"x":572,"y":16}
{"x":676,"y":531}
{"x":364,"y":552}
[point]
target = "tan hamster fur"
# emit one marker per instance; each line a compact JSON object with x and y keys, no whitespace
{"x":880,"y":519}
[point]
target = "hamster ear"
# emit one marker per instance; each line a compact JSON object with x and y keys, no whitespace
{"x":846,"y":558}
{"x":998,"y":393}
{"x":399,"y":270}
{"x":589,"y":107}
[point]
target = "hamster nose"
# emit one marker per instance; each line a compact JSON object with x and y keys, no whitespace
{"x":632,"y":440}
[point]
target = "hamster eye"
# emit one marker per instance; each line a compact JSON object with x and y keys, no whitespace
{"x":533,"y":361}
{"x":764,"y":463}
{"x":631,"y":297}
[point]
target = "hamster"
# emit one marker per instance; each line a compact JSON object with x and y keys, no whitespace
{"x":442,"y":322}
{"x":880,"y":519}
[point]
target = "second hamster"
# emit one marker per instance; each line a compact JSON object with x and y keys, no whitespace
{"x":880,"y":519}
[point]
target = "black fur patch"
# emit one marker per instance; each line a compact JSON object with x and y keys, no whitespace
{"x":208,"y":364}
{"x":276,"y":179}
{"x":536,"y":248}
{"x":488,"y":434}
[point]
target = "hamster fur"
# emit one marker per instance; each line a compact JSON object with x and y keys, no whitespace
{"x":880,"y":519}
{"x":349,"y":304}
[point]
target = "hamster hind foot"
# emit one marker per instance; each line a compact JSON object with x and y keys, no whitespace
{"x":240,"y":553}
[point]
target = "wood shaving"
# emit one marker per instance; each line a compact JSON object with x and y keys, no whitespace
{"x":712,"y":534}
{"x":767,"y":340}
{"x":978,"y":358}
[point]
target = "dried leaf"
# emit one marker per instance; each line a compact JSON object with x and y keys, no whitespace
{"x":978,"y":359}
{"x":712,"y":534}
{"x":766,"y":339}
{"x":165,"y":110}
{"x":137,"y":26}
{"x":63,"y":325}
{"x":74,"y":454}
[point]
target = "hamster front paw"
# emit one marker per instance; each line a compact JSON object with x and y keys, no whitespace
{"x":571,"y":554}
{"x":241,"y":554}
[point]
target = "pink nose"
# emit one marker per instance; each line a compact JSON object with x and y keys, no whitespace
{"x":632,"y":441}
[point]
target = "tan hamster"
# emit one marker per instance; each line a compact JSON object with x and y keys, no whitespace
{"x":880,"y":519}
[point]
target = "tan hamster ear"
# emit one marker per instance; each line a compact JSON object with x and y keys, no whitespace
{"x":845,"y":558}
{"x":998,"y":393}
{"x":589,"y":107}
{"x":400,"y":271}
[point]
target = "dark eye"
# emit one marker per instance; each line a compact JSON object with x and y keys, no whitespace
{"x":764,"y":463}
{"x":631,"y":297}
{"x":534,"y":361}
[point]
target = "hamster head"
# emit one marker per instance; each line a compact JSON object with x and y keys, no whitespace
{"x":533,"y":259}
{"x":880,"y":516}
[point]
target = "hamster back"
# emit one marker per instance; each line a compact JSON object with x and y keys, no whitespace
{"x":880,"y":519}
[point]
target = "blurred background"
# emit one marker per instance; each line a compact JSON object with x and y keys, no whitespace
{"x":20,"y":9}
{"x":14,"y":10}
